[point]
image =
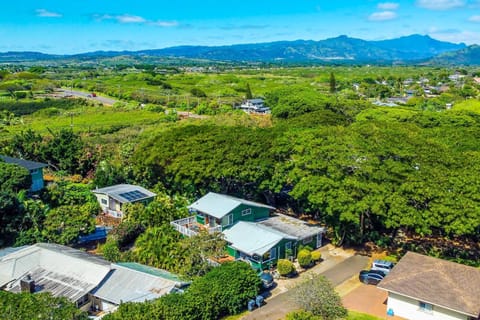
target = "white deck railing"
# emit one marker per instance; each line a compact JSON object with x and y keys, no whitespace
{"x":190,"y":227}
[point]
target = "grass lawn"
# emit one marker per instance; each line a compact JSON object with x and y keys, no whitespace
{"x":353,"y":315}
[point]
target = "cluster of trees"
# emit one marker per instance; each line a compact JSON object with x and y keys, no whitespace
{"x":223,"y":291}
{"x":365,"y":172}
{"x":41,"y":306}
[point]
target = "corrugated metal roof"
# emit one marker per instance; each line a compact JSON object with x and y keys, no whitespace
{"x":27,"y":164}
{"x":219,"y":205}
{"x":6,"y":251}
{"x":126,"y":193}
{"x":57,"y":269}
{"x":127,"y":285}
{"x":253,"y":238}
{"x":150,"y":270}
{"x":294,"y":227}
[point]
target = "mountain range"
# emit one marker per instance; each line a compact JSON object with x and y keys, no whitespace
{"x":342,"y":49}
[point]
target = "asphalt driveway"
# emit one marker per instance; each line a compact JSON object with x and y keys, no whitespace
{"x":278,"y":306}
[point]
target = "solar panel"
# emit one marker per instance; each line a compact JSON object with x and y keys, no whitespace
{"x":133,"y":195}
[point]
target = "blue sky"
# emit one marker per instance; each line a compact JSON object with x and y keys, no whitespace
{"x":55,"y":26}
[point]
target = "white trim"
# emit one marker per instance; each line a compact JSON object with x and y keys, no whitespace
{"x":246,"y":212}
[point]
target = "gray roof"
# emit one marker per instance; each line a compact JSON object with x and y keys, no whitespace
{"x":126,"y":193}
{"x":124,"y":284}
{"x":57,"y":269}
{"x":296,"y":228}
{"x":438,"y":282}
{"x":8,"y":250}
{"x":219,"y":205}
{"x":29,"y":165}
{"x":253,"y":238}
{"x":71,"y":273}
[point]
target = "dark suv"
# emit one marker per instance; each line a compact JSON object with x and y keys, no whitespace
{"x":371,"y":276}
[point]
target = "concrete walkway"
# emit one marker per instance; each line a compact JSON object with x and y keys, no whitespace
{"x":338,"y":266}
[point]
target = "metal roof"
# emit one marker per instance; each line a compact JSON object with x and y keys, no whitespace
{"x":124,"y":284}
{"x":253,"y":238}
{"x":126,"y":193}
{"x":57,"y":269}
{"x":435,"y":281}
{"x":296,"y":228}
{"x":29,"y":165}
{"x":219,"y":205}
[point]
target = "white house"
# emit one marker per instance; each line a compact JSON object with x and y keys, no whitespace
{"x":112,"y":199}
{"x":426,"y":288}
{"x":254,"y":106}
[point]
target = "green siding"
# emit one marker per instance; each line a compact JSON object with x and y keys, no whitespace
{"x":37,"y":180}
{"x":232,"y":252}
{"x":256,"y":213}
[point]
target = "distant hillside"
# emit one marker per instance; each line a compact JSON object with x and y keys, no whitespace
{"x":467,"y":56}
{"x":341,"y":49}
{"x":26,"y":56}
{"x":337,"y":49}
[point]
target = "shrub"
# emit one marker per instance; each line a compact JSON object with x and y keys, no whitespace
{"x":316,"y":256}
{"x":304,"y":258}
{"x":285,"y":267}
{"x":301,"y":315}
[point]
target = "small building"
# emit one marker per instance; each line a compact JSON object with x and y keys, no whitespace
{"x":92,"y":283}
{"x":35,"y":169}
{"x":421,"y":287}
{"x":113,"y":198}
{"x":254,"y":106}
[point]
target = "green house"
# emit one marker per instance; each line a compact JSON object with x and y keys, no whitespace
{"x":257,"y":244}
{"x":254,"y":232}
{"x":35,"y":169}
{"x":218,"y":212}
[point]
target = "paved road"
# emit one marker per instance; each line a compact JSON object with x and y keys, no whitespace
{"x":278,"y":307}
{"x":87,"y":95}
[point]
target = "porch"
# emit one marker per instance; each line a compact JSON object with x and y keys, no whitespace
{"x":191,"y":227}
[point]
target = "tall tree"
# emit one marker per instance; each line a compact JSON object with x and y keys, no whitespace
{"x":333,"y":83}
{"x":248,"y":92}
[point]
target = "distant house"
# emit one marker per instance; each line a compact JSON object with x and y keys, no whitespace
{"x":421,"y":287}
{"x":253,"y":231}
{"x":35,"y":169}
{"x":89,"y":281}
{"x":254,"y":106}
{"x":113,"y":198}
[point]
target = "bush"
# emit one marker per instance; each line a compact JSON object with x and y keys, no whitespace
{"x":301,"y":315}
{"x":316,"y":256}
{"x":285,"y":267}
{"x":304,"y":258}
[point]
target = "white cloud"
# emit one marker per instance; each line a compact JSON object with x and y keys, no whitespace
{"x":474,"y":19}
{"x":467,"y":37}
{"x":126,"y":18}
{"x":388,"y":6}
{"x":165,"y":24}
{"x":382,"y":16}
{"x":441,"y":4}
{"x":129,"y":18}
{"x":47,"y":14}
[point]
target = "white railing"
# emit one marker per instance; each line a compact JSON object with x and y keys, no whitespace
{"x":184,"y":226}
{"x":190,"y":227}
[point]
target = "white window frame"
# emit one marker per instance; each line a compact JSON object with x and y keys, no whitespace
{"x":230,"y":219}
{"x":104,"y":202}
{"x":274,"y":255}
{"x":425,"y":307}
{"x":307,"y":240}
{"x":246,"y":212}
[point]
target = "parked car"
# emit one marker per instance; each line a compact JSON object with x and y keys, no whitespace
{"x":382,"y":265}
{"x":371,"y":276}
{"x":267,"y":279}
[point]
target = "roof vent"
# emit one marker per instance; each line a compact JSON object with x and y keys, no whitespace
{"x":27,"y":284}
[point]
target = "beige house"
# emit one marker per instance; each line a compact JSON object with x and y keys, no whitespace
{"x":425,"y":288}
{"x":113,"y":198}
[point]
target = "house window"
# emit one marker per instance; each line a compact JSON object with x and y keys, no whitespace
{"x":307,"y":240}
{"x":104,"y":201}
{"x":273,"y":253}
{"x":230,"y":219}
{"x":246,"y":212}
{"x":425,"y":307}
